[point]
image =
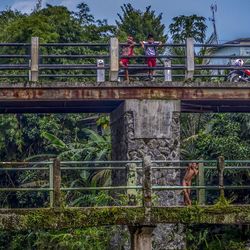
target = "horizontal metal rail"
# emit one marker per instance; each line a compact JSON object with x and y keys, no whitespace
{"x":13,"y":76}
{"x":157,"y":67}
{"x":117,"y":162}
{"x":155,"y":45}
{"x":15,"y":44}
{"x":25,"y":162}
{"x":14,"y":66}
{"x":157,"y":56}
{"x":198,"y":187}
{"x":199,"y":66}
{"x":120,"y":168}
{"x":221,"y":45}
{"x":99,"y":188}
{"x":74,"y":44}
{"x":222,"y":57}
{"x":74,"y":56}
{"x":101,"y":162}
{"x":25,"y":189}
{"x":22,"y":168}
{"x":67,"y":75}
{"x":233,"y":187}
{"x":69,"y":66}
{"x":15,"y":56}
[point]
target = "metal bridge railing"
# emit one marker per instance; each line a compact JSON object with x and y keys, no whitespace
{"x":100,"y":61}
{"x":136,"y":179}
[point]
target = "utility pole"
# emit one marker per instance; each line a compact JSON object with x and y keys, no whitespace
{"x":213,"y":8}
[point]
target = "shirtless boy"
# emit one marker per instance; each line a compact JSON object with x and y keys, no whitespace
{"x":191,"y":171}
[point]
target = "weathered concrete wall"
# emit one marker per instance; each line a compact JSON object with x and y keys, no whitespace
{"x":150,"y":127}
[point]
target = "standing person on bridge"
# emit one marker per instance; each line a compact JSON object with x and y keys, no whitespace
{"x":149,"y":47}
{"x":191,"y":171}
{"x":127,"y":51}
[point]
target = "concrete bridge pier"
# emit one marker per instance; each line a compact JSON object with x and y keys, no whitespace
{"x":142,"y":128}
{"x":141,"y":237}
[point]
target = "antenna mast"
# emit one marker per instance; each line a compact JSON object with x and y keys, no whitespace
{"x":213,"y":8}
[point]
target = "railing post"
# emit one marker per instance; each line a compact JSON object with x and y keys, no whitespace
{"x":141,"y":235}
{"x":201,"y":182}
{"x":114,"y":59}
{"x":147,"y":187}
{"x":167,"y":72}
{"x":132,"y":178}
{"x":55,"y":184}
{"x":221,"y":167}
{"x":100,"y":70}
{"x":190,"y":58}
{"x":34,"y":69}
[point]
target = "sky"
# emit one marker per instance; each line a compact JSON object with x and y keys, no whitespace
{"x":232,"y":17}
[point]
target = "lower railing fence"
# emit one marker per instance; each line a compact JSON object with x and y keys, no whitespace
{"x":146,"y":166}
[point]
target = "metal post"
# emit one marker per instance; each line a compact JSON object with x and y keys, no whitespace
{"x":147,"y":188}
{"x":190,"y":58}
{"x":221,"y":167}
{"x":114,"y":59}
{"x":100,"y":70}
{"x":55,"y":184}
{"x":167,"y":72}
{"x":51,"y":185}
{"x":132,"y":178}
{"x":201,"y":182}
{"x":34,"y":68}
{"x":147,"y":182}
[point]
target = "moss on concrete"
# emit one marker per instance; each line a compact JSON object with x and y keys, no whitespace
{"x":63,"y":218}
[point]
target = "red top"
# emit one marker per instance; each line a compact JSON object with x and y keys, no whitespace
{"x":247,"y":72}
{"x":128,"y":50}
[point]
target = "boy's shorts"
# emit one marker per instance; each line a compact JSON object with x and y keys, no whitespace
{"x":124,"y":61}
{"x":151,"y":61}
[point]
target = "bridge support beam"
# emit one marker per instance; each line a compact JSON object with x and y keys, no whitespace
{"x":142,"y":128}
{"x":141,"y":237}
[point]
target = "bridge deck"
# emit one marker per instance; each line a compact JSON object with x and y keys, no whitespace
{"x":87,"y":97}
{"x":44,"y":218}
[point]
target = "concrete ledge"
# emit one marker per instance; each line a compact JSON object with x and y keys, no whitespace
{"x":83,"y":97}
{"x":52,"y":84}
{"x":44,"y":218}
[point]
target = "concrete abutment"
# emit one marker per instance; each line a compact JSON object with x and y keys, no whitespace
{"x":142,"y":128}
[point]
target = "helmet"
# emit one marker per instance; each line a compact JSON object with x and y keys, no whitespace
{"x":239,"y":62}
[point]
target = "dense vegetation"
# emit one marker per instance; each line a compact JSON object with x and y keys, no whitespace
{"x":44,"y":136}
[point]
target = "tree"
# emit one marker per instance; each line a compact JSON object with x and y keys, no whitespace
{"x":139,"y":24}
{"x":83,"y":14}
{"x":183,"y":27}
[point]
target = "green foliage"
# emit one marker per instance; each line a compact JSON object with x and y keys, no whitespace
{"x":87,"y":238}
{"x":215,"y":237}
{"x":183,"y":27}
{"x":96,"y":147}
{"x":139,"y":24}
{"x":210,"y":136}
{"x":53,"y":24}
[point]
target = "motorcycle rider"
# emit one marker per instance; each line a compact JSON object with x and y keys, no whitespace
{"x":240,"y":63}
{"x":239,"y":74}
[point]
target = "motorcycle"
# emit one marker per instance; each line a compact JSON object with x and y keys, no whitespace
{"x":238,"y":75}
